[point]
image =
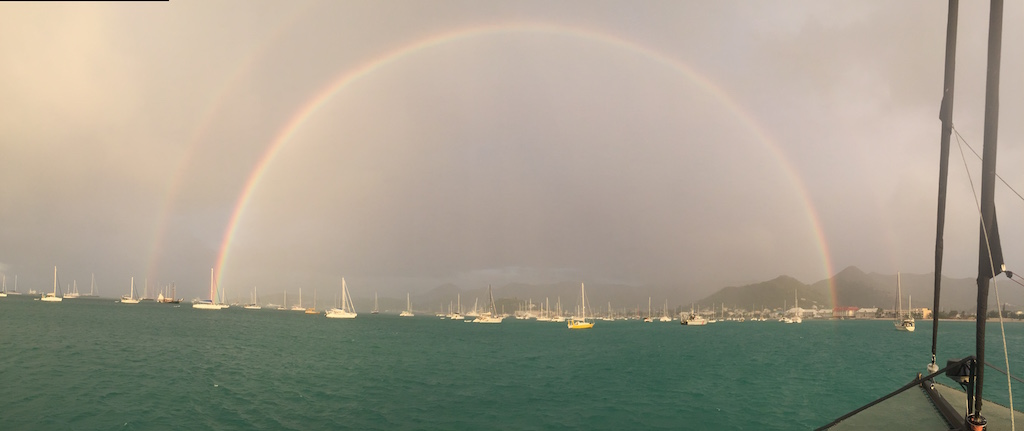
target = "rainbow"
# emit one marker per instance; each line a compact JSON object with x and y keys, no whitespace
{"x":313,"y":104}
{"x":206,"y":120}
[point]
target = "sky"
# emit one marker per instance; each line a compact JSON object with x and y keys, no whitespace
{"x":406,"y":144}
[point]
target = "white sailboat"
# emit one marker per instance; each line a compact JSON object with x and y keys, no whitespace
{"x":130,"y":298}
{"x":52,"y":297}
{"x":545,"y":315}
{"x":298,"y":307}
{"x":902,"y":322}
{"x":347,"y":309}
{"x":457,"y":314}
{"x":558,"y":318}
{"x":664,"y":315}
{"x":648,"y":318}
{"x":474,"y":312}
{"x":376,"y":308}
{"x":796,"y":313}
{"x":3,"y":293}
{"x":581,"y":323}
{"x":255,"y":304}
{"x":14,"y":292}
{"x":611,"y":316}
{"x":284,"y":306}
{"x":694,"y":319}
{"x":209,"y":304}
{"x":491,"y":316}
{"x":92,"y":288}
{"x":409,"y":308}
{"x":73,"y":293}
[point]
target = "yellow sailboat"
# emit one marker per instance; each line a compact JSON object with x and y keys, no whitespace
{"x":582,"y":322}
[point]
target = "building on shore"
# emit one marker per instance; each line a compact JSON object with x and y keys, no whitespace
{"x":844,"y":312}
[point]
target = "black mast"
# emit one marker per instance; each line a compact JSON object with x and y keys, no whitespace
{"x":990,"y":256}
{"x":946,"y":115}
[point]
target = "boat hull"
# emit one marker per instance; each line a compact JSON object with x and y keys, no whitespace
{"x":488,"y":319}
{"x":573,"y":324}
{"x":340,"y":314}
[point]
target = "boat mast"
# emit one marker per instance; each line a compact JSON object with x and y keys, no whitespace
{"x":583,"y":293}
{"x":990,"y":256}
{"x":946,"y":116}
{"x":899,"y":295}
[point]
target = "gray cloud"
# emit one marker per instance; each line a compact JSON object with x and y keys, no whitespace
{"x":130,"y":131}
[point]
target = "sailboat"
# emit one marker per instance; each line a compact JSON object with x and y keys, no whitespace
{"x":558,"y":315}
{"x":475,"y":311}
{"x":611,"y":316}
{"x":902,"y":322}
{"x":299,"y":307}
{"x":581,"y":323}
{"x":545,"y":312}
{"x":346,"y":309}
{"x":924,"y":397}
{"x":130,"y":298}
{"x":52,"y":297}
{"x":92,"y":288}
{"x":648,"y":318}
{"x":15,"y":291}
{"x":73,"y":293}
{"x":3,"y":293}
{"x":457,"y":314}
{"x":664,"y":314}
{"x":796,"y":309}
{"x":408,"y":307}
{"x":255,"y":304}
{"x":376,"y":309}
{"x":208,"y":304}
{"x":284,"y":306}
{"x":312,"y":310}
{"x":694,"y":319}
{"x":492,"y":316}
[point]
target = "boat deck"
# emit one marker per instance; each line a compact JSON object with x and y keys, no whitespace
{"x":912,"y":409}
{"x":998,"y":416}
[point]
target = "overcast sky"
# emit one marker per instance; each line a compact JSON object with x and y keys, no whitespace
{"x":695,"y":144}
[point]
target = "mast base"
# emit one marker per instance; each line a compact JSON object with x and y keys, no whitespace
{"x":976,"y":422}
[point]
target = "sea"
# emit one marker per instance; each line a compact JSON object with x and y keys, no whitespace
{"x":89,"y":364}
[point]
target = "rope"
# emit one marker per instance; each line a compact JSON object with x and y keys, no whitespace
{"x":958,"y":137}
{"x":1006,"y":356}
{"x":991,"y":264}
{"x":912,"y":383}
{"x":988,"y":364}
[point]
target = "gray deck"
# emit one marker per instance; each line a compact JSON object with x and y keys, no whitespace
{"x":913,"y":410}
{"x":910,"y":410}
{"x":998,"y":416}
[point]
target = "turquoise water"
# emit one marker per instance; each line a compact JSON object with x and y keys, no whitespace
{"x":94,"y":364}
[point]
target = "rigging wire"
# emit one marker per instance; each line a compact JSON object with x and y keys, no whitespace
{"x":961,"y":138}
{"x":995,"y":285}
{"x":989,"y":364}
